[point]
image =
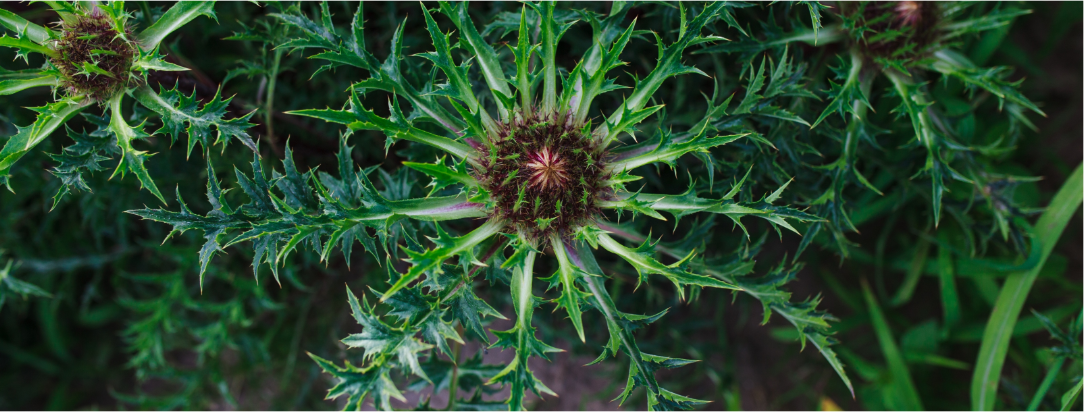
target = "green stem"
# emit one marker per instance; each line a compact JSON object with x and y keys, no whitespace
{"x":453,"y":386}
{"x":521,"y":294}
{"x":295,"y":343}
{"x":825,"y":35}
{"x":583,"y":258}
{"x":901,"y":382}
{"x":916,"y":107}
{"x":860,"y":109}
{"x":950,"y":297}
{"x":178,"y":15}
{"x":910,"y":281}
{"x":523,"y":62}
{"x":549,"y":58}
{"x":461,"y":244}
{"x":27,"y":44}
{"x":13,"y":22}
{"x":1051,"y":375}
{"x":13,"y":86}
{"x":146,"y":9}
{"x":269,"y":102}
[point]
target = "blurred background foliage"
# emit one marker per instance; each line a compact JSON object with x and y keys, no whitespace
{"x":121,"y":321}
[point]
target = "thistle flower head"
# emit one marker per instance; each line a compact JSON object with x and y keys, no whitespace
{"x":94,"y":58}
{"x":544,"y":175}
{"x":901,"y":31}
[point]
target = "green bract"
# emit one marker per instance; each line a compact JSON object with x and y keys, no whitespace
{"x":96,"y":58}
{"x":522,"y":137}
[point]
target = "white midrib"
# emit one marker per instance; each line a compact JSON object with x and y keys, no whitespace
{"x":523,"y":295}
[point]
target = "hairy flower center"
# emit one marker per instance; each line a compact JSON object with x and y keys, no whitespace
{"x":909,"y":13}
{"x":547,"y":169}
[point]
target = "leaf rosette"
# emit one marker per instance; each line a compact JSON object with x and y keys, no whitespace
{"x":526,"y":158}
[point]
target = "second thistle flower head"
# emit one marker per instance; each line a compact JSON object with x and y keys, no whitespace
{"x":899,"y":30}
{"x":94,"y":55}
{"x":544,"y":175}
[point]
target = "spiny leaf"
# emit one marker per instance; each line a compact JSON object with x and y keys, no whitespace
{"x":179,"y":112}
{"x":845,"y":97}
{"x":663,"y":149}
{"x":216,"y":222}
{"x":360,"y":118}
{"x":457,"y":77}
{"x":359,"y":383}
{"x":24,"y":46}
{"x":621,"y":325}
{"x":521,"y":338}
{"x":642,"y":258}
{"x":49,"y":118}
{"x":478,"y":47}
{"x":446,"y":248}
{"x":993,"y":79}
{"x":568,"y":275}
{"x":444,"y":176}
{"x":736,"y":268}
{"x":635,"y":205}
{"x":131,"y":159}
{"x":33,"y":32}
{"x":89,"y":150}
{"x":669,"y":63}
{"x":465,"y":306}
{"x":379,"y":339}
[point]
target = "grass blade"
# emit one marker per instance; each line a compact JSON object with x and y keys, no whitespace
{"x":1051,"y":375}
{"x":950,"y":297}
{"x":914,"y":272}
{"x":906,"y":396}
{"x":995,"y":341}
{"x":1070,"y":397}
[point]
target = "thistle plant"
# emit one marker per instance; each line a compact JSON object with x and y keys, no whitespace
{"x":912,"y":45}
{"x":537,"y":165}
{"x":528,"y":177}
{"x":94,"y":56}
